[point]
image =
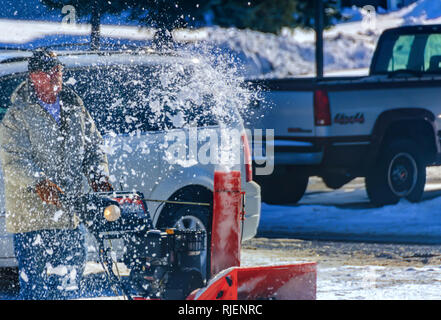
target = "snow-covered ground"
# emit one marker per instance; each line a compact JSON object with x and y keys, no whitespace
{"x":404,"y":222}
{"x":378,"y":283}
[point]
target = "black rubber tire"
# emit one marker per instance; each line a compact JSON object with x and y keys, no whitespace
{"x":172,"y":213}
{"x":400,"y":166}
{"x":181,"y":284}
{"x":287,"y":189}
{"x":336,"y":181}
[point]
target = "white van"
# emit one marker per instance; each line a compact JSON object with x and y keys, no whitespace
{"x":132,"y":97}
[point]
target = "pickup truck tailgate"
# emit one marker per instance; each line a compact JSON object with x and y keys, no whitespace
{"x":278,"y":109}
{"x":281,"y":100}
{"x":293,"y":135}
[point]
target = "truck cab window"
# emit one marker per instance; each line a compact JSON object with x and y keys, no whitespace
{"x":414,"y":54}
{"x":400,"y":53}
{"x":432,"y":54}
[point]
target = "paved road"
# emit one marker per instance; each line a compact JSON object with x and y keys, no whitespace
{"x":357,"y":270}
{"x":336,"y":253}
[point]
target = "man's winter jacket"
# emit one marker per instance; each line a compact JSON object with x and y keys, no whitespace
{"x":34,"y":147}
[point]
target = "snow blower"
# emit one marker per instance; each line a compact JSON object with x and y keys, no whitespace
{"x":166,"y":264}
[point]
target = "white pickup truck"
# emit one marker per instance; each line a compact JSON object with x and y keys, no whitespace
{"x":385,"y":127}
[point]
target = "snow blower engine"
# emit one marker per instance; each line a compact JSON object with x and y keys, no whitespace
{"x":163,"y":264}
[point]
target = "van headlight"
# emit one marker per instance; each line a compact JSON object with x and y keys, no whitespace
{"x":112,"y":213}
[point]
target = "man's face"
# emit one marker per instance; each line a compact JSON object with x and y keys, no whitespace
{"x":47,"y":84}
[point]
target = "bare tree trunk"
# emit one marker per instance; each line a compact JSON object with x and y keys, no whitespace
{"x":319,"y":16}
{"x":95,"y":22}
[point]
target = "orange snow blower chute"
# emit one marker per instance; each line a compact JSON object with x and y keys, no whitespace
{"x":230,"y":281}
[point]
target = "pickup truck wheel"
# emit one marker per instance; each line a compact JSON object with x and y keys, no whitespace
{"x":283,"y":190}
{"x":399,"y":173}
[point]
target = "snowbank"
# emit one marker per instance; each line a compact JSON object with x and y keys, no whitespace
{"x":403,"y":222}
{"x":422,"y":11}
{"x":348,"y":45}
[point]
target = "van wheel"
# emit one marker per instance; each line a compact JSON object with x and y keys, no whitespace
{"x":283,"y":189}
{"x":399,"y":173}
{"x":191,"y":217}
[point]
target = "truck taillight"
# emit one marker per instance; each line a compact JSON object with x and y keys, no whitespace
{"x":322,"y":112}
{"x":247,"y":158}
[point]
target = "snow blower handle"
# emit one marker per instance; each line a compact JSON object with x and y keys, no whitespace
{"x":92,"y":209}
{"x":164,"y":264}
{"x":114,"y":212}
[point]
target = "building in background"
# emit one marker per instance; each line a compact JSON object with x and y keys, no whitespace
{"x":385,"y":4}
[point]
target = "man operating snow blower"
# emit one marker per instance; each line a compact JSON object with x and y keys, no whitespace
{"x":49,"y":144}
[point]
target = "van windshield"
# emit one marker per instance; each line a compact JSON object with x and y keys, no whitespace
{"x":409,"y":54}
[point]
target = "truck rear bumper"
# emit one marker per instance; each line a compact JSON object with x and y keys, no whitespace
{"x":290,"y":152}
{"x":336,"y":152}
{"x":298,"y":158}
